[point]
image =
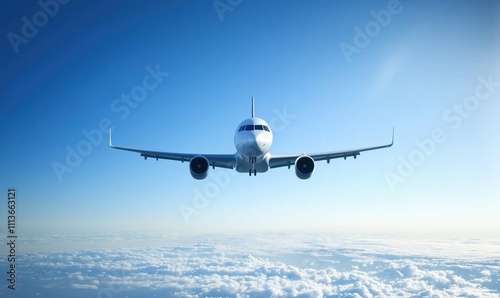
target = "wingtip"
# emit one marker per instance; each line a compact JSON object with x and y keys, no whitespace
{"x":392,"y":142}
{"x":110,"y":144}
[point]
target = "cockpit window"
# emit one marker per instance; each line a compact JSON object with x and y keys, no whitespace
{"x":250,"y":127}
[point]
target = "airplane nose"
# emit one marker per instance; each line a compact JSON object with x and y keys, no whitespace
{"x":260,"y":140}
{"x":262,"y":143}
{"x":253,"y":145}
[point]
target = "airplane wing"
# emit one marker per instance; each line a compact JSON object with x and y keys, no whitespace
{"x":287,"y":160}
{"x":227,"y":161}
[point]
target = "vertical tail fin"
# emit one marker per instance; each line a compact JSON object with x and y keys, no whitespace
{"x":253,"y":109}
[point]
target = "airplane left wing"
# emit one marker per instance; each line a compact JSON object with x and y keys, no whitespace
{"x":227,"y":161}
{"x":276,"y":161}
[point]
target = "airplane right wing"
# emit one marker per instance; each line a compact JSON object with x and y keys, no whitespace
{"x":287,"y":160}
{"x":227,"y":161}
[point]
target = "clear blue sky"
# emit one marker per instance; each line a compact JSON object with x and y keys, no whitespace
{"x":410,"y":73}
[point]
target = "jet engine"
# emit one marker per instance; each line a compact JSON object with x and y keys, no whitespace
{"x":199,"y":167}
{"x":304,"y":166}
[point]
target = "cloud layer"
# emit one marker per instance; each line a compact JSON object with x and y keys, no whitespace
{"x":268,"y":266}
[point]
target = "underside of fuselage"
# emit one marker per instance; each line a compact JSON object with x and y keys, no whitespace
{"x":244,"y":164}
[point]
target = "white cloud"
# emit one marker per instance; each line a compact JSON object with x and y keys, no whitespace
{"x":276,"y":266}
{"x":84,"y":286}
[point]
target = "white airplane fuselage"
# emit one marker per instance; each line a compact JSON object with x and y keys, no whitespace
{"x":253,"y":139}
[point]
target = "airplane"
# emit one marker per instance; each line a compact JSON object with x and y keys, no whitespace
{"x":253,"y":139}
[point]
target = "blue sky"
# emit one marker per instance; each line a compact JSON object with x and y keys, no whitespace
{"x":411,"y":72}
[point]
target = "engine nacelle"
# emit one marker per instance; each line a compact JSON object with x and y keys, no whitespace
{"x":304,"y":166}
{"x":199,"y":167}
